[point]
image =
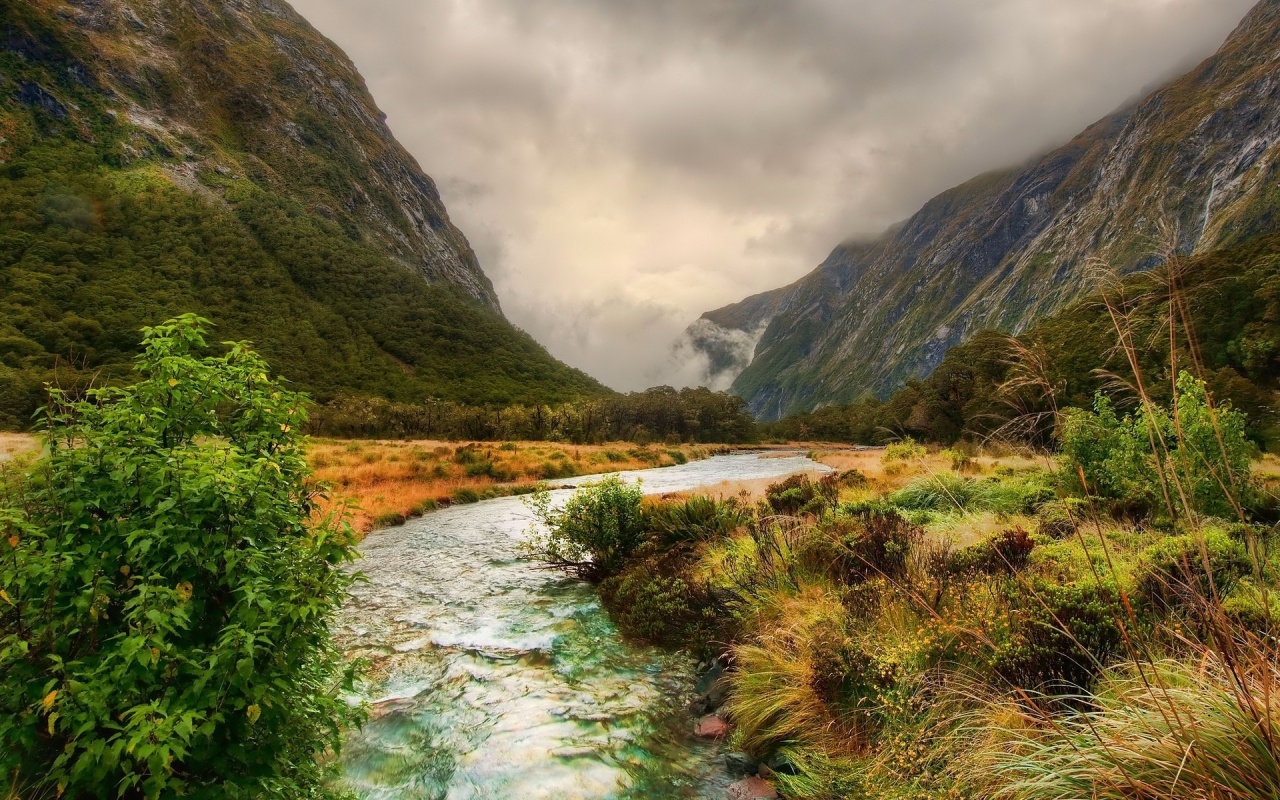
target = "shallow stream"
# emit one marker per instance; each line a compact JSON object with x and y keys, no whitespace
{"x":490,"y":678}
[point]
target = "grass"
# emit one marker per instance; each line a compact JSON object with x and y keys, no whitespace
{"x":988,"y":650}
{"x":384,"y":482}
{"x":15,"y":444}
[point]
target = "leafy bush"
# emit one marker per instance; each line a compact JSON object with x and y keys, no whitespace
{"x":1061,"y":636}
{"x":1171,"y":575}
{"x":873,"y":543}
{"x":800,"y":494}
{"x":1198,"y":459}
{"x":1060,"y":519}
{"x":959,"y":460}
{"x":595,"y":532}
{"x":1005,"y":552}
{"x":905,"y":450}
{"x":651,"y":602}
{"x":164,"y":629}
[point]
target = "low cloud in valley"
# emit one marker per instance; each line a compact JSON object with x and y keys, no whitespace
{"x":621,"y":166}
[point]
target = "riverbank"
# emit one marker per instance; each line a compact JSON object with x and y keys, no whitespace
{"x":935,"y":625}
{"x":384,"y":482}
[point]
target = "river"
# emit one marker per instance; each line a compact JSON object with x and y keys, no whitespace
{"x":492,"y":679}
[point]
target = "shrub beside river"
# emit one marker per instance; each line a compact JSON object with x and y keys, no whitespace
{"x":940,"y":625}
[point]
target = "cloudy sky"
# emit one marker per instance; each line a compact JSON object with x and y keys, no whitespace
{"x":621,"y":166}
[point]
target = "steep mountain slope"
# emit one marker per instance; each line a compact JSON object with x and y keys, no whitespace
{"x":221,"y":156}
{"x":1011,"y":246}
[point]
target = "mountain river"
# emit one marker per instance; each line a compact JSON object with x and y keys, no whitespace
{"x":489,"y":678}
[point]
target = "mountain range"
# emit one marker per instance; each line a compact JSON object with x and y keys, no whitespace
{"x":1190,"y":168}
{"x":223,"y":157}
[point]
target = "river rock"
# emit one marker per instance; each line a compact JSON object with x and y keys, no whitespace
{"x":740,"y":765}
{"x":711,"y":727}
{"x":752,"y":789}
{"x":781,"y":765}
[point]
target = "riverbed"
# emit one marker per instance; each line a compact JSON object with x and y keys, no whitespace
{"x":490,"y":678}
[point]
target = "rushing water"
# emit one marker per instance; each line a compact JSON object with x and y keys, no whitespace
{"x":492,"y":679}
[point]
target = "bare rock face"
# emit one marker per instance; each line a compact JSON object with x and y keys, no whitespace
{"x":1200,"y":157}
{"x":247,"y":89}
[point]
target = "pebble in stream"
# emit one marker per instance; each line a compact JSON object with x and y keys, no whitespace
{"x":492,"y":679}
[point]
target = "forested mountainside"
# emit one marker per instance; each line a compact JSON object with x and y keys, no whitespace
{"x":1197,"y":157}
{"x":223,"y":157}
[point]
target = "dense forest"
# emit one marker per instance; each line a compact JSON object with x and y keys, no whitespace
{"x":660,"y":414}
{"x":995,"y":384}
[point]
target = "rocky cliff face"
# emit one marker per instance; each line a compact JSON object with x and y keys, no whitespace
{"x":248,"y":88}
{"x":1199,"y":156}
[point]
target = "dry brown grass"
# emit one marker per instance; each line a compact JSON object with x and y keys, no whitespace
{"x":12,"y":444}
{"x":383,"y":482}
{"x":884,"y":477}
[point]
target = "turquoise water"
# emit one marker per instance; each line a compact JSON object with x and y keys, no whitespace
{"x":492,"y":679}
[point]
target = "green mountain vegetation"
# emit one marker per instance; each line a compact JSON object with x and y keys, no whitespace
{"x":203,"y":157}
{"x":1224,"y":309}
{"x":1194,"y":165}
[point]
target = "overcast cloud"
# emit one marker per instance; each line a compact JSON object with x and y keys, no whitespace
{"x":621,"y":166}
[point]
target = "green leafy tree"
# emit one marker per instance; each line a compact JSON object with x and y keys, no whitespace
{"x":1195,"y":458}
{"x":166,"y":596}
{"x":595,"y":532}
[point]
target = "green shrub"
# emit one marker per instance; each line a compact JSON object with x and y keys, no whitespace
{"x":678,"y":456}
{"x":871,"y":543}
{"x":1005,"y":552}
{"x":647,"y":602}
{"x":1060,"y":519}
{"x":1200,"y":457}
{"x":164,"y":629}
{"x":800,"y":494}
{"x":1061,"y":636}
{"x":595,"y":533}
{"x":905,"y":450}
{"x":1171,"y":574}
{"x":853,"y":479}
{"x":959,"y":461}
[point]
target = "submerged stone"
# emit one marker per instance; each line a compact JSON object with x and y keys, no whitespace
{"x":711,"y":727}
{"x":752,"y":789}
{"x":740,"y":765}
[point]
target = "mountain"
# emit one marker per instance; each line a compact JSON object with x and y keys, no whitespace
{"x":223,"y":157}
{"x":1198,"y":156}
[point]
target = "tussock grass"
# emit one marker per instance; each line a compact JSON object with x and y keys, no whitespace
{"x":1193,"y":727}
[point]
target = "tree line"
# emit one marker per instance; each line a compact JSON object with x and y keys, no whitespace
{"x":661,"y":413}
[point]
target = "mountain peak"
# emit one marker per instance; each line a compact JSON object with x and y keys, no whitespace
{"x":1199,"y":156}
